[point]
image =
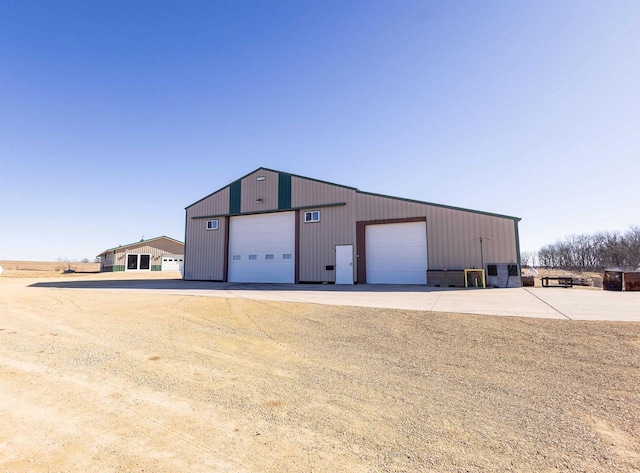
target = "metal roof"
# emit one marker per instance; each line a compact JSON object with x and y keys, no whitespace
{"x":141,"y":241}
{"x":361,"y":192}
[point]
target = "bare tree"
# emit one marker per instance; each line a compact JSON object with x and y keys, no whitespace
{"x":632,"y":246}
{"x":527,"y":258}
{"x":594,"y":252}
{"x":66,"y":261}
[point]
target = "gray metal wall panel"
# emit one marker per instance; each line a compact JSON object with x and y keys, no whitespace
{"x":373,"y":207}
{"x":318,"y":241}
{"x":266,"y":190}
{"x":451,"y":244}
{"x":217,"y":204}
{"x":204,"y":258}
{"x":336,"y":226}
{"x":305,"y":192}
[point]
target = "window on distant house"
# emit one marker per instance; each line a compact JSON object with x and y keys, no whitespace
{"x":492,"y":270}
{"x":212,"y":224}
{"x":313,"y":216}
{"x":513,"y":270}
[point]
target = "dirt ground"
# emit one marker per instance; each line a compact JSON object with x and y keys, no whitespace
{"x":92,"y":380}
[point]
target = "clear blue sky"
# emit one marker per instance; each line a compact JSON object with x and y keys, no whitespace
{"x":114,"y":116}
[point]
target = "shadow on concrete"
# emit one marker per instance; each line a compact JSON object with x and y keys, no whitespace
{"x":179,"y":284}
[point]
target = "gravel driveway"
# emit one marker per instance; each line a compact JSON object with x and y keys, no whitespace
{"x":97,"y":380}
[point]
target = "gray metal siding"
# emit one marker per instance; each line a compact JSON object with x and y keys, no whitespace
{"x":373,"y":207}
{"x":318,"y":241}
{"x":266,"y":191}
{"x":216,"y":204}
{"x":451,"y":234}
{"x":305,"y":192}
{"x":107,"y":259}
{"x":204,"y":258}
{"x":336,"y":226}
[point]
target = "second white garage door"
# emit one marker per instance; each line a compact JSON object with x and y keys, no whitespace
{"x":262,"y":248}
{"x":396,"y":253}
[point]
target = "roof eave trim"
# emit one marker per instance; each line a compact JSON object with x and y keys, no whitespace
{"x":138,"y":242}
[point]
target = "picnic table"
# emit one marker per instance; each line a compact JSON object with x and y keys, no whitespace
{"x":560,"y":281}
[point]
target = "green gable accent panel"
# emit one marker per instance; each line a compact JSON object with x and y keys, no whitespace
{"x":235,"y":194}
{"x":284,"y":191}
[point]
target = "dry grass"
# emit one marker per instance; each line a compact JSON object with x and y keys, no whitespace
{"x":49,"y":266}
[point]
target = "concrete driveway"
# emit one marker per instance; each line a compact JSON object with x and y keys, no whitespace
{"x":554,"y":303}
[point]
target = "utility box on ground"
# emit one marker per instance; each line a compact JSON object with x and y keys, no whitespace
{"x":612,"y":281}
{"x":444,"y":278}
{"x":631,"y":281}
{"x":503,"y":275}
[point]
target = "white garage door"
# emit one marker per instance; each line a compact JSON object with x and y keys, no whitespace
{"x":261,"y":248}
{"x":172,"y":262}
{"x":396,"y":253}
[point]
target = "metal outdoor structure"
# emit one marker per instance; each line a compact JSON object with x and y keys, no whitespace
{"x":474,"y":278}
{"x":481,"y":239}
{"x":612,"y":281}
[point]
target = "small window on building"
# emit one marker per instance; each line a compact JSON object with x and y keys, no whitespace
{"x":513,"y":270}
{"x":268,"y":256}
{"x":313,"y":216}
{"x":492,"y":270}
{"x":252,"y":257}
{"x":212,"y":224}
{"x":236,"y":257}
{"x":261,"y":178}
{"x":286,"y":256}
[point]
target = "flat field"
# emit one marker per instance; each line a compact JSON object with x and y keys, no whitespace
{"x":27,"y":268}
{"x":99,"y":380}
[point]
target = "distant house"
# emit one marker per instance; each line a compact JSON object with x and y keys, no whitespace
{"x":154,"y":254}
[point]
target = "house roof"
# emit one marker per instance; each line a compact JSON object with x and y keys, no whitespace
{"x":360,"y":192}
{"x":148,"y":240}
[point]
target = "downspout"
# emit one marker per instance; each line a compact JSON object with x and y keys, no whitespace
{"x":184,"y":262}
{"x":515,"y":224}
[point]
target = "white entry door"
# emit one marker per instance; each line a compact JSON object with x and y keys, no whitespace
{"x":396,"y":253}
{"x":344,"y":264}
